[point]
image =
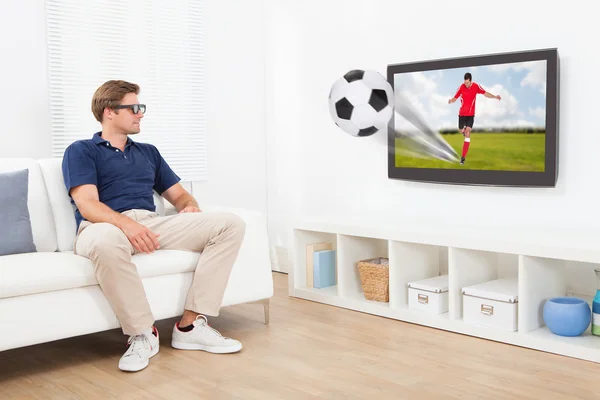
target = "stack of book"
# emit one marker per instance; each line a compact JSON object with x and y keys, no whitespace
{"x":320,"y":265}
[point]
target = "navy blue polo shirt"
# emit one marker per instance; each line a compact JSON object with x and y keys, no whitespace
{"x":125,"y":179}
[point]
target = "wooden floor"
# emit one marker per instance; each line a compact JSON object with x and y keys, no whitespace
{"x":309,"y":351}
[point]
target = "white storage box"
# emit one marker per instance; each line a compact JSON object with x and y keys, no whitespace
{"x":492,"y":304}
{"x":429,"y":295}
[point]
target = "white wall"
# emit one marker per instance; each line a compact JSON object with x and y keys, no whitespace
{"x":235,"y":96}
{"x":321,"y":171}
{"x":235,"y":83}
{"x":284,"y":138}
{"x":24,"y":112}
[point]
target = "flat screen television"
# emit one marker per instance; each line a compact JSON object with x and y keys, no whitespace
{"x":499,"y":111}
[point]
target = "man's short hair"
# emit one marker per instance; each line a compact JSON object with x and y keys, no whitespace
{"x":110,"y":94}
{"x":468,"y":76}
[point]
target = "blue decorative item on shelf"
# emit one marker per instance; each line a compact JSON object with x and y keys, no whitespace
{"x":567,"y":316}
{"x":596,"y":307}
{"x":324,"y":268}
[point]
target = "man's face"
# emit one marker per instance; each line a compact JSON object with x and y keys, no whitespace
{"x":467,"y":82}
{"x":124,"y":120}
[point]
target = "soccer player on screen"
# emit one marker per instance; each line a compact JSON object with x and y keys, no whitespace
{"x":468,"y":92}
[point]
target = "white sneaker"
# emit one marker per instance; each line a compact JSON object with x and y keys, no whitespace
{"x":203,"y":337}
{"x":139,"y":351}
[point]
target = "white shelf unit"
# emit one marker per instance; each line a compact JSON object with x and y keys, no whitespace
{"x":545,"y":266}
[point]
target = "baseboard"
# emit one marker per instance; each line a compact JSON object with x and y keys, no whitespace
{"x":280,"y":268}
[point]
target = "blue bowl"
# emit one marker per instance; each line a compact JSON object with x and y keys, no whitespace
{"x":567,"y":316}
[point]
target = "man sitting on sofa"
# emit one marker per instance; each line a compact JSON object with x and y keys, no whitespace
{"x":110,"y":179}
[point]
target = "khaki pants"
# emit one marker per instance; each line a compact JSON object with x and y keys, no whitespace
{"x":217,"y":235}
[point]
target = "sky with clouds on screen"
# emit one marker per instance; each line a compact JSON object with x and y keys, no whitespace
{"x":522,"y":87}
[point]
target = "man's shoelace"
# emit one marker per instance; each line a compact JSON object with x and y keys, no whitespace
{"x":138,"y":343}
{"x":201,"y":320}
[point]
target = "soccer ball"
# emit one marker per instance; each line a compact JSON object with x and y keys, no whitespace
{"x":361,"y":102}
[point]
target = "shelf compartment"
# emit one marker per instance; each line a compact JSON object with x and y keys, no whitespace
{"x":540,"y":279}
{"x":581,"y":280}
{"x":298,"y":277}
{"x":544,"y":278}
{"x":410,"y":262}
{"x":470,"y":267}
{"x":351,"y":250}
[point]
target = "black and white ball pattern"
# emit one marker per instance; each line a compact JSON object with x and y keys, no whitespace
{"x":361,"y":102}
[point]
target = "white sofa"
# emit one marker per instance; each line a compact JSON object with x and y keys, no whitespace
{"x":57,"y":291}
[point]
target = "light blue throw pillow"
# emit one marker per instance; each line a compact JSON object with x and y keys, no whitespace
{"x":15,"y":224}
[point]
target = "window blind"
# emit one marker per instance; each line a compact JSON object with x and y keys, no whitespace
{"x":157,"y":44}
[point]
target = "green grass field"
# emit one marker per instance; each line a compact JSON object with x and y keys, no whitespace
{"x":488,"y":151}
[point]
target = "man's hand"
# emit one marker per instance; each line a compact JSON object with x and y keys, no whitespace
{"x":498,"y":97}
{"x":142,"y":238}
{"x":190,"y":209}
{"x":86,"y":198}
{"x":181,"y":199}
{"x":452,"y":100}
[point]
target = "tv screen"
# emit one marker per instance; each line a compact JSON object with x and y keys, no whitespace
{"x":479,"y":120}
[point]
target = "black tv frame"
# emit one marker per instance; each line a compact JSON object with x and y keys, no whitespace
{"x":548,"y":178}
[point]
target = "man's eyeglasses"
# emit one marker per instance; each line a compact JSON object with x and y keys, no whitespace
{"x":136,"y":108}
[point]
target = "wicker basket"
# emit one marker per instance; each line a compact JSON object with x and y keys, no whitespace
{"x":375,"y":278}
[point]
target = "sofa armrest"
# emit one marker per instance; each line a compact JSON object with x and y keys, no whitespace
{"x":252,"y":277}
{"x":256,"y":225}
{"x":248,"y":215}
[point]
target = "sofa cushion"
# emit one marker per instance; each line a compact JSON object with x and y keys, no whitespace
{"x":62,"y":209}
{"x":60,"y":203}
{"x":38,"y":205}
{"x":23,"y":274}
{"x":15,"y":236}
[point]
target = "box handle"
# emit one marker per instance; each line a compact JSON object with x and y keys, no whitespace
{"x":423,"y":299}
{"x":487,"y":310}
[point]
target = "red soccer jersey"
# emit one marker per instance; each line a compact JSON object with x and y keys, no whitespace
{"x":467,"y":98}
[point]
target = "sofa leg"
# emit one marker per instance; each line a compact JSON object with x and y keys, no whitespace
{"x":266,"y":308}
{"x":265,"y":303}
